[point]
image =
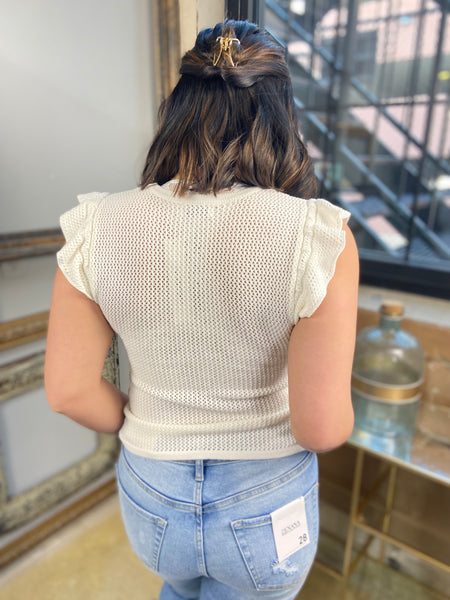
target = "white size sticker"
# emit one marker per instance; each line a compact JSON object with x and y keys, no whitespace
{"x":290,"y":528}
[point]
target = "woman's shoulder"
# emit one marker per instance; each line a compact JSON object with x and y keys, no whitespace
{"x":120,"y":197}
{"x":133,"y":199}
{"x":314,"y":207}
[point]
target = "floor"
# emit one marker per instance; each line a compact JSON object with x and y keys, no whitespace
{"x":92,"y":560}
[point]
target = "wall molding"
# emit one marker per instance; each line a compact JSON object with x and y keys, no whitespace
{"x":23,"y":330}
{"x":167,"y":45}
{"x":26,"y":244}
{"x":25,"y":374}
{"x":21,"y":375}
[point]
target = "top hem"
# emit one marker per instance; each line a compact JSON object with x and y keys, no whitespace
{"x":213,"y":454}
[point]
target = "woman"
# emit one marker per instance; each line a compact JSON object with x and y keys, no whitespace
{"x":235,"y":295}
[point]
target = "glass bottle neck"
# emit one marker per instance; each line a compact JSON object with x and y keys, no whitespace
{"x":387,"y":322}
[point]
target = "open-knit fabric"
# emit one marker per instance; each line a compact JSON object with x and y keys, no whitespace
{"x":204,"y":291}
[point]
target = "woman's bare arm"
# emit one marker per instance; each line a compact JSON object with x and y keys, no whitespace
{"x":320,"y":361}
{"x":78,"y":340}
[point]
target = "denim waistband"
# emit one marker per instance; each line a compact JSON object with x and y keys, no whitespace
{"x":174,"y":482}
{"x":211,"y":462}
{"x":207,"y":462}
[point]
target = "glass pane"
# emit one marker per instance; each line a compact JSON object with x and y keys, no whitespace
{"x":372,"y":83}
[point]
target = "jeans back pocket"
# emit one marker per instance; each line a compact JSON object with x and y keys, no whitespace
{"x":145,"y":530}
{"x":255,"y":539}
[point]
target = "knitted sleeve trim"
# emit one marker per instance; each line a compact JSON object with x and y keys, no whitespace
{"x":74,"y":257}
{"x":320,"y":245}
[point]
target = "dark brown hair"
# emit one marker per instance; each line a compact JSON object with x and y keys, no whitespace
{"x":231,"y":119}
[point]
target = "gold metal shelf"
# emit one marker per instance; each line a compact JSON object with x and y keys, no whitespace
{"x":425,"y":457}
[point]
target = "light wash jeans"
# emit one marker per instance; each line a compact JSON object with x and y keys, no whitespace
{"x":205,"y":526}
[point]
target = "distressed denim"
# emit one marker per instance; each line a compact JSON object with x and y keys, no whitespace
{"x":205,"y":526}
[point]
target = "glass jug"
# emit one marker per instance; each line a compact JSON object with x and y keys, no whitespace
{"x":387,"y":376}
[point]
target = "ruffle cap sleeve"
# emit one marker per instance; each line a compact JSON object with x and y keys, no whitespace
{"x":321,"y":244}
{"x":77,"y":226}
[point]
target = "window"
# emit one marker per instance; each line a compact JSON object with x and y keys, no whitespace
{"x":364,"y":59}
{"x":372,"y":86}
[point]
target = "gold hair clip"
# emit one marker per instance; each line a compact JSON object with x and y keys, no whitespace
{"x":225,"y":47}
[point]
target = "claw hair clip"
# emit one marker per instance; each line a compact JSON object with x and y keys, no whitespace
{"x":225,"y":48}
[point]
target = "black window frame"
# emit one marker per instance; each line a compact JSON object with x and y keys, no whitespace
{"x":377,"y":268}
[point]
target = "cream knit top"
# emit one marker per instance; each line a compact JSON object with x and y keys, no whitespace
{"x":204,"y":292}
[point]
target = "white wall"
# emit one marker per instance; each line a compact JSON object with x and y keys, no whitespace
{"x":77,"y":113}
{"x":77,"y":104}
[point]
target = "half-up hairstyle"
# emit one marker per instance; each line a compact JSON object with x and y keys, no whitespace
{"x":231,"y":118}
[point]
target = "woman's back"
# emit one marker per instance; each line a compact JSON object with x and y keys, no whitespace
{"x":204,"y":291}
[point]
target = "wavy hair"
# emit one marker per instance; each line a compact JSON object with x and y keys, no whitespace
{"x":231,"y":119}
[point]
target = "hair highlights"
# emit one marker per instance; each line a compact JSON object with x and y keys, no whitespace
{"x":231,"y":118}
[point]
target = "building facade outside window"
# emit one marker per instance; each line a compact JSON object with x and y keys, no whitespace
{"x":372,"y":86}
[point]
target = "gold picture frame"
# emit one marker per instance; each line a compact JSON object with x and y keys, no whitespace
{"x":16,"y":378}
{"x":23,"y":330}
{"x":27,"y":244}
{"x":166,"y":16}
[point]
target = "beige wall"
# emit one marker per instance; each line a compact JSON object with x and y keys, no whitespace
{"x":196,"y":15}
